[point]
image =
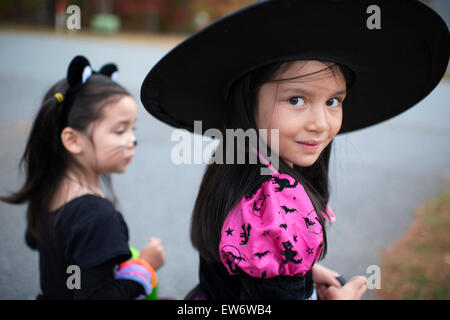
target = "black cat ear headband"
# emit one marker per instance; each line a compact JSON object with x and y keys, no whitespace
{"x":80,"y":71}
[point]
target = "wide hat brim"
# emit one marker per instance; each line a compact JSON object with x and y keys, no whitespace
{"x":395,"y":66}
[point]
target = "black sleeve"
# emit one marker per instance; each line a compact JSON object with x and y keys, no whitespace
{"x":94,"y":234}
{"x":98,"y":283}
{"x":277,"y":288}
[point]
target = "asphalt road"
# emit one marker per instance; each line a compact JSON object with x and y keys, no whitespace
{"x":379,"y":175}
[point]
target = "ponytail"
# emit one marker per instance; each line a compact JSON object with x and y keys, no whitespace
{"x":44,"y":160}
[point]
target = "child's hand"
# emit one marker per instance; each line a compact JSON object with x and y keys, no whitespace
{"x":153,"y":253}
{"x":352,"y":290}
{"x":324,"y":276}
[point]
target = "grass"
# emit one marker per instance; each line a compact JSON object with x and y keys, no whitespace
{"x":417,"y":266}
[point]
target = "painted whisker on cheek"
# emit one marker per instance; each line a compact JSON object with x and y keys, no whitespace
{"x":116,"y":152}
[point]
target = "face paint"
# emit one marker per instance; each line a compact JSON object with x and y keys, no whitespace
{"x":113,"y":158}
{"x":113,"y":138}
{"x":116,"y":152}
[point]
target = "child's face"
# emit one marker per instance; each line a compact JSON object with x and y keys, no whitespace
{"x":305,"y":110}
{"x":113,"y":137}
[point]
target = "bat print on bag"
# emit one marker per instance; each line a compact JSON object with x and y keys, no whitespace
{"x":262,"y":254}
{"x":283,"y":183}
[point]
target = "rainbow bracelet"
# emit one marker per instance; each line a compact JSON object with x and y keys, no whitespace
{"x":139,"y":271}
{"x":146,"y":265}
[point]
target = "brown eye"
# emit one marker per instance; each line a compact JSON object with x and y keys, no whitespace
{"x":334,"y":102}
{"x":296,"y":101}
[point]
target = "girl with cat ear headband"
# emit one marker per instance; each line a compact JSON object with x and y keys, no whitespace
{"x":82,"y":133}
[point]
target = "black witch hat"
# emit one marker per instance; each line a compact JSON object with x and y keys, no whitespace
{"x":396,"y":63}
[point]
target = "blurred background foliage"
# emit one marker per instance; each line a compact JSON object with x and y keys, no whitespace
{"x":161,"y":16}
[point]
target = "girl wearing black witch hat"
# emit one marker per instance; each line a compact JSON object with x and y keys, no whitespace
{"x":311,"y":70}
{"x":83,"y":132}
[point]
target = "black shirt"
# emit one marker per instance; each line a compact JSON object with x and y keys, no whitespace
{"x":89,"y":233}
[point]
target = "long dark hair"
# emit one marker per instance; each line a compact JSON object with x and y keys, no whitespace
{"x":45,"y":159}
{"x":224,"y":185}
